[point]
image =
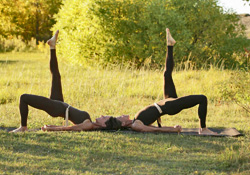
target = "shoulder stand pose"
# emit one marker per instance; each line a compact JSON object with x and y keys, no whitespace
{"x":55,"y":105}
{"x":171,"y":105}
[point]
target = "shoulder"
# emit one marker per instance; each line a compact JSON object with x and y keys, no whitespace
{"x":137,"y":122}
{"x":138,"y":125}
{"x":86,"y":125}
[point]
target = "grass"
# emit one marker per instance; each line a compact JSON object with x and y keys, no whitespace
{"x":116,"y":91}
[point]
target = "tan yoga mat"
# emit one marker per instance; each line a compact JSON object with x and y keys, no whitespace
{"x":221,"y":132}
{"x":224,"y":132}
{"x":232,"y":132}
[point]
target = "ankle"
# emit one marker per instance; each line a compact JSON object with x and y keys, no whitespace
{"x":24,"y":127}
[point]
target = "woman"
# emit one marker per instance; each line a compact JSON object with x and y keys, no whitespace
{"x":56,"y":107}
{"x":171,"y":105}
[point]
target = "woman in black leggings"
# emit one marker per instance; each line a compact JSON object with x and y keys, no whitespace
{"x":56,"y":107}
{"x":171,"y":105}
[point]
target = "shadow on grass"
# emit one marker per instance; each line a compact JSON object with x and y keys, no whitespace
{"x":8,"y":61}
{"x":103,"y":152}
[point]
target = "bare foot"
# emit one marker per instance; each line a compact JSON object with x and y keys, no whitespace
{"x":52,"y":42}
{"x":20,"y":129}
{"x":206,"y":131}
{"x":170,"y":39}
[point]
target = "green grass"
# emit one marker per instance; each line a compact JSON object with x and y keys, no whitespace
{"x":116,"y":91}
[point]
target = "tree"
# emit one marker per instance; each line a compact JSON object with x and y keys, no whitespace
{"x":133,"y":31}
{"x":28,"y":18}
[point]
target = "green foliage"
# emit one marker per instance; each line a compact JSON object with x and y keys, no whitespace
{"x":237,"y":89}
{"x":115,"y":91}
{"x":81,"y":36}
{"x":215,"y":36}
{"x":27,"y":18}
{"x":137,"y":29}
{"x":110,"y":31}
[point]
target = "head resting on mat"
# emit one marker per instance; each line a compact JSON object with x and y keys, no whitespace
{"x":114,"y":123}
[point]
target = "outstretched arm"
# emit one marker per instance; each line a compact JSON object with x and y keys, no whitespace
{"x":84,"y":126}
{"x":139,"y":126}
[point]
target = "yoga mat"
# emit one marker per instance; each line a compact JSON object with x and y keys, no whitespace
{"x":226,"y":132}
{"x":7,"y":129}
{"x":230,"y":132}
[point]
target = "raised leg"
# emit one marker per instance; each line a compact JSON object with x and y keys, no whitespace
{"x":53,"y":106}
{"x":56,"y":87}
{"x":169,"y":87}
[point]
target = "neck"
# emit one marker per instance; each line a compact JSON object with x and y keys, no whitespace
{"x":128,"y":123}
{"x":96,"y":125}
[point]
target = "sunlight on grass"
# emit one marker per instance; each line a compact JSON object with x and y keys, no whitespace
{"x":116,"y":91}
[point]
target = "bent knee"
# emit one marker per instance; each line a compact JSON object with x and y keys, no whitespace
{"x":23,"y":97}
{"x":203,"y":98}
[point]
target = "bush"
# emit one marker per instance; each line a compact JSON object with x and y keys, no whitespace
{"x":133,"y":31}
{"x":237,"y":90}
{"x":16,"y":44}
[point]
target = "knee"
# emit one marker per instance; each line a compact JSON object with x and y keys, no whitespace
{"x":23,"y":97}
{"x":203,"y":99}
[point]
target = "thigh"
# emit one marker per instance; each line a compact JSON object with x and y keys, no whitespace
{"x":54,"y":108}
{"x":169,"y":87}
{"x":56,"y":88}
{"x":175,"y":105}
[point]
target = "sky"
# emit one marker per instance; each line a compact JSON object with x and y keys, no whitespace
{"x":237,"y":5}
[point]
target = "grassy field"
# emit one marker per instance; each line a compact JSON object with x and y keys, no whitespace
{"x":115,"y":91}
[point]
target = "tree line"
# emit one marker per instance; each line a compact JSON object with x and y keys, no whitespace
{"x":28,"y":18}
{"x":130,"y":31}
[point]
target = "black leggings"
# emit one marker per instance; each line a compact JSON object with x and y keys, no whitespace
{"x":172,"y":104}
{"x":54,"y":105}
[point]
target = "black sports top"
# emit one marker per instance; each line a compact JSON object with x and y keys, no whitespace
{"x":77,"y":116}
{"x":149,"y":115}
